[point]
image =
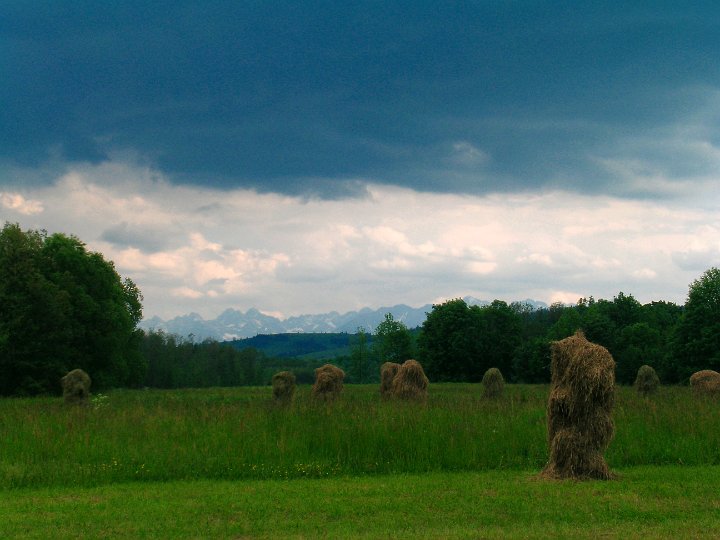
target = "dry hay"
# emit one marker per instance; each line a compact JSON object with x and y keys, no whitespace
{"x":328,"y":382}
{"x":705,"y":382}
{"x":387,"y":373}
{"x":647,"y":382}
{"x":76,"y":387}
{"x":283,"y":386}
{"x":493,"y":383}
{"x":410,"y":382}
{"x":578,"y":412}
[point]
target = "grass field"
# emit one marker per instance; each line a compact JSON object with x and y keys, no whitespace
{"x":646,"y":502}
{"x":231,"y":464}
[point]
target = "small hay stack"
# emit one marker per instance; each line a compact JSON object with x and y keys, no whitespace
{"x":76,"y":387}
{"x":283,"y":386}
{"x":387,"y":373}
{"x":493,"y":384}
{"x":578,"y":412}
{"x":328,"y":382}
{"x":410,"y":382}
{"x":647,"y":382}
{"x":705,"y":383}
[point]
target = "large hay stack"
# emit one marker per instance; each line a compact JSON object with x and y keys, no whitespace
{"x":76,"y":387}
{"x":705,"y":383}
{"x":328,"y":382}
{"x":647,"y":382}
{"x":410,"y":382}
{"x":283,"y":386}
{"x":493,"y":383}
{"x":387,"y":373}
{"x":578,"y":412}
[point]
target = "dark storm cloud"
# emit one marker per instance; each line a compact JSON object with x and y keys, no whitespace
{"x":307,"y":98}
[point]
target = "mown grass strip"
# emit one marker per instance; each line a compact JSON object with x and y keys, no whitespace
{"x":646,"y":502}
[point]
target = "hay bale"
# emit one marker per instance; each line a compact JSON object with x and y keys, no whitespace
{"x":705,"y":383}
{"x":76,"y":387}
{"x":580,"y":427}
{"x":328,"y":382}
{"x":647,"y":382}
{"x":283,"y":386}
{"x":493,"y":383}
{"x":410,"y":382}
{"x":387,"y":373}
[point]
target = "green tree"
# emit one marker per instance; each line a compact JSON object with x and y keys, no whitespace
{"x":34,"y":316}
{"x":638,"y":344}
{"x":500,"y":335}
{"x":531,"y":362}
{"x":697,"y":338}
{"x":361,"y":357}
{"x":392,"y":341}
{"x":449,"y":345}
{"x":62,"y":307}
{"x":566,"y":324}
{"x":663,"y":317}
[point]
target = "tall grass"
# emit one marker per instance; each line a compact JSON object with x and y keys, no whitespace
{"x":239,"y":433}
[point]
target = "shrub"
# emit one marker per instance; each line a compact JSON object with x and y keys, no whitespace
{"x":387,"y":373}
{"x":493,"y":383}
{"x":578,"y":412}
{"x":705,"y":382}
{"x":283,"y":386}
{"x":647,"y":381}
{"x":76,"y":387}
{"x":328,"y":382}
{"x":410,"y":382}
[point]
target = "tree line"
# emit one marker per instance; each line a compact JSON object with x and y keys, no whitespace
{"x":64,"y":307}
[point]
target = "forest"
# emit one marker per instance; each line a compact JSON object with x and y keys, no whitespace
{"x":64,"y":307}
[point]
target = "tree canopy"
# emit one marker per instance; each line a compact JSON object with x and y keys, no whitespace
{"x":392,"y":341}
{"x":697,"y":337}
{"x":64,"y":307}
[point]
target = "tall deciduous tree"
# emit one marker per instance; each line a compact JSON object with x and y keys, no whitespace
{"x":392,"y":341}
{"x":697,"y":337}
{"x":63,"y":307}
{"x":449,"y":345}
{"x":500,"y":335}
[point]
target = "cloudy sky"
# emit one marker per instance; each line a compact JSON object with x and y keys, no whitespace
{"x":301,"y":157}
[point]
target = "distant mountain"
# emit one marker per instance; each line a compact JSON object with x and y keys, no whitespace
{"x":234,"y":324}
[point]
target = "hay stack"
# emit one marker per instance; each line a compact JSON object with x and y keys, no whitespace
{"x":493,"y":383}
{"x":283,"y":385}
{"x":410,"y":382}
{"x":328,"y":382}
{"x":387,"y":373}
{"x":647,"y":382}
{"x":76,"y":387}
{"x":705,"y":383}
{"x":578,"y":412}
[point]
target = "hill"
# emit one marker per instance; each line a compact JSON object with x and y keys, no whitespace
{"x":315,"y":346}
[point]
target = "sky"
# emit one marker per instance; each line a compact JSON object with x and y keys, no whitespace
{"x":302,"y":157}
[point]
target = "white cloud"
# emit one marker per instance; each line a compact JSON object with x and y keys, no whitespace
{"x":186,"y":292}
{"x":477,"y":267}
{"x":565,"y":297}
{"x":208,"y":250}
{"x":536,"y":258}
{"x":645,"y":273}
{"x":19,"y":204}
{"x":466,"y":154}
{"x":198,"y":242}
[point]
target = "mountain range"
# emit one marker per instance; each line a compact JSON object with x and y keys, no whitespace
{"x":234,"y":324}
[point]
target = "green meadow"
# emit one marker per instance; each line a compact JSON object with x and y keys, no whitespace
{"x":362,"y":464}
